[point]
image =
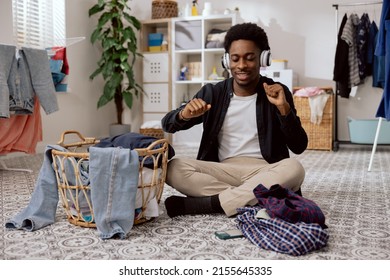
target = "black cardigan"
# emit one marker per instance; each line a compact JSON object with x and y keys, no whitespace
{"x":277,"y":133}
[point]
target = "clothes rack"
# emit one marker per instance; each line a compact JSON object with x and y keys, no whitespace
{"x":336,"y":6}
{"x":335,"y":145}
{"x":64,"y":42}
{"x":61,"y":43}
{"x":57,"y":42}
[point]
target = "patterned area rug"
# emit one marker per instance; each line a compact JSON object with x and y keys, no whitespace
{"x":356,"y":204}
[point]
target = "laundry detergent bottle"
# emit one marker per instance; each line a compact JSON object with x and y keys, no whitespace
{"x":194,"y":9}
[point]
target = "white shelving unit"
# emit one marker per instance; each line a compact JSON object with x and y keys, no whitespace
{"x":156,"y":71}
{"x":186,"y":37}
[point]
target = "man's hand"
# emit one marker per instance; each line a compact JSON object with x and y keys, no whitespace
{"x":275,"y":95}
{"x":195,"y":108}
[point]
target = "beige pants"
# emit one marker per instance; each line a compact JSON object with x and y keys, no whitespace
{"x":233,"y":179}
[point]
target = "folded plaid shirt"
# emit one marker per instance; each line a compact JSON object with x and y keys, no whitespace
{"x":281,"y":236}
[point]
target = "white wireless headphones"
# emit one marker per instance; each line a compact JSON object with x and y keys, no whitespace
{"x":265,"y":59}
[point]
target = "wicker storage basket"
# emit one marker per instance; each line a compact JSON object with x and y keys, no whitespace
{"x":154,"y":132}
{"x":75,"y":198}
{"x":164,"y":9}
{"x":320,"y":135}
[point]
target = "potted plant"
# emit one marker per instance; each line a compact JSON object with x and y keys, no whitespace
{"x":116,"y":32}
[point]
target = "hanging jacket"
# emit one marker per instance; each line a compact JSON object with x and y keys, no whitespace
{"x":27,"y":75}
{"x":341,"y":67}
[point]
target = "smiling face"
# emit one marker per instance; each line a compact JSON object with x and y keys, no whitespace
{"x":244,"y":66}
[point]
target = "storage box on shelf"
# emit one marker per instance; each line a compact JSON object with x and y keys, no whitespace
{"x":320,"y":135}
{"x":155,"y":41}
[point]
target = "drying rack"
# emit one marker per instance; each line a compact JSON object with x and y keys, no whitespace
{"x":335,"y":145}
{"x":59,"y":43}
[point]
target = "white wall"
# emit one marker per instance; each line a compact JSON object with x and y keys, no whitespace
{"x":303,"y":32}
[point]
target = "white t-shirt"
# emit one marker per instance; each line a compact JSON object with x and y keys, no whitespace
{"x":238,"y":136}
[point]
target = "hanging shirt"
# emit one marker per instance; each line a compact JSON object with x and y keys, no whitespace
{"x":340,"y":71}
{"x":362,"y":44}
{"x":349,"y":36}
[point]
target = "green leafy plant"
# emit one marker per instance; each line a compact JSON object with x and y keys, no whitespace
{"x":116,"y":31}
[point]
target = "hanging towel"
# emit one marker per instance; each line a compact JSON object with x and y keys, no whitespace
{"x":317,"y":104}
{"x":317,"y":101}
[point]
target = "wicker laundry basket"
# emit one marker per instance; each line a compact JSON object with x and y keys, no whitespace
{"x":75,"y":194}
{"x":320,"y":135}
{"x":154,"y":132}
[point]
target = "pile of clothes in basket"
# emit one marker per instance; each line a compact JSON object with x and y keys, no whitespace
{"x":112,"y":171}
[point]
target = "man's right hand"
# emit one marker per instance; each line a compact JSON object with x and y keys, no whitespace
{"x":195,"y":108}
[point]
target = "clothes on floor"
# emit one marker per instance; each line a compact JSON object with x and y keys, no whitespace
{"x":42,"y":206}
{"x":278,"y":235}
{"x":286,"y":205}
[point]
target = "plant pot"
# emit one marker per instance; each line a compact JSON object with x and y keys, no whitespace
{"x":118,"y":129}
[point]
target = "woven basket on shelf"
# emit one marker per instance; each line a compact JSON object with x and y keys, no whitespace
{"x":74,"y":192}
{"x":164,"y":9}
{"x":320,"y":135}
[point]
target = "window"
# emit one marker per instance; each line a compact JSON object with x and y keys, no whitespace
{"x":39,"y":23}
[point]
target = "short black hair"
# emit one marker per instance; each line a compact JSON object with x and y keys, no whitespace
{"x":247,"y":31}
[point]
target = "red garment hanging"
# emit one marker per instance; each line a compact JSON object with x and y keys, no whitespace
{"x":21,"y":133}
